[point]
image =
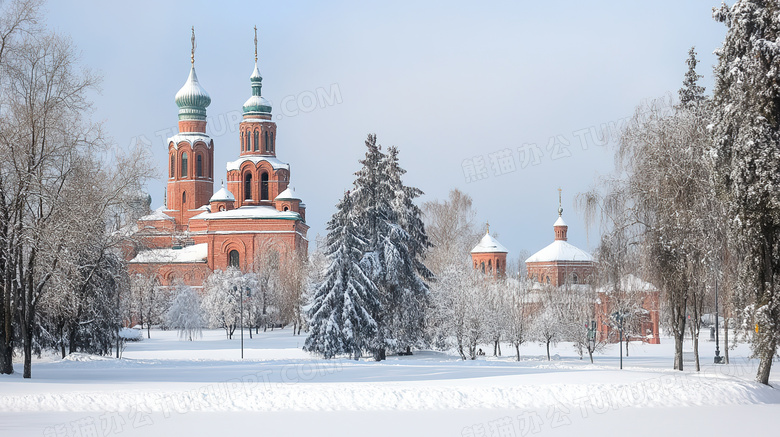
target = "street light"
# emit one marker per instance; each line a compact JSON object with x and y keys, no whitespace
{"x":618,"y":317}
{"x":718,"y":359}
{"x":241,"y":313}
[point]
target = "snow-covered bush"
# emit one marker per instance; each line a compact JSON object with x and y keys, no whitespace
{"x":185,"y":313}
{"x":131,"y":334}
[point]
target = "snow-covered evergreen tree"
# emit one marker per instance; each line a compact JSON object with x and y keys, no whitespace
{"x":185,"y":313}
{"x":341,"y":314}
{"x":747,"y":151}
{"x":396,"y":241}
{"x":691,"y":94}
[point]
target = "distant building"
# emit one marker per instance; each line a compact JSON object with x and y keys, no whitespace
{"x":489,"y":256}
{"x":560,"y":262}
{"x":256,"y":218}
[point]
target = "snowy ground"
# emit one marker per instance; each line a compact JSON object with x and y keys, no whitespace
{"x":163,"y":386}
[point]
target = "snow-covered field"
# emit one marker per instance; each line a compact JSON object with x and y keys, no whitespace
{"x":163,"y":386}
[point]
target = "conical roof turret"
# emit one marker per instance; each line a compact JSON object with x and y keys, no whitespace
{"x":257,"y":105}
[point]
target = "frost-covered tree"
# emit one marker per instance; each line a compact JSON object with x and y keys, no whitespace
{"x":48,"y":144}
{"x":149,"y":300}
{"x":746,"y":149}
{"x":185,"y":313}
{"x":519,"y":315}
{"x":395,"y":244}
{"x":548,"y":327}
{"x":451,"y":226}
{"x":459,"y":314}
{"x":221,"y":303}
{"x":341,"y":314}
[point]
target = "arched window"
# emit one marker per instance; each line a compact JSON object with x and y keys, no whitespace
{"x":173,"y":165}
{"x":245,"y":141}
{"x":490,"y":266}
{"x":548,"y":279}
{"x":483,"y":266}
{"x":199,"y":166}
{"x":574,"y":278}
{"x":233,"y":258}
{"x":248,"y":186}
{"x":267,"y":146}
{"x":286,"y":208}
{"x":257,"y":146}
{"x":183,"y":199}
{"x":221,"y":207}
{"x":264,"y":186}
{"x":184,"y":164}
{"x":271,"y":137}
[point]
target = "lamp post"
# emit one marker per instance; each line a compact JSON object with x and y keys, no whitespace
{"x":240,"y":317}
{"x":618,"y":316}
{"x":718,"y":358}
{"x":241,"y":313}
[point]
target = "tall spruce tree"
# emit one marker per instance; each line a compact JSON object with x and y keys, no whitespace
{"x":396,"y":240}
{"x":406,"y":273}
{"x":691,"y":93}
{"x":746,"y":149}
{"x":341,"y":314}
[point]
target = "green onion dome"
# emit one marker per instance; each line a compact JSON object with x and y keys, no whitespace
{"x":192,"y":99}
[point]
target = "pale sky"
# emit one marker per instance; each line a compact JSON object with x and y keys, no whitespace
{"x":450,"y":83}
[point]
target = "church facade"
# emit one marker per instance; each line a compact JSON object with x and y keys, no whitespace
{"x":256,"y":217}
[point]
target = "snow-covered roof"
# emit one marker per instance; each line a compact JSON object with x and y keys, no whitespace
{"x":256,"y":120}
{"x":192,"y":94}
{"x":249,"y":212}
{"x":189,"y":254}
{"x":275,"y":163}
{"x":257,"y":102}
{"x":256,"y":74}
{"x":560,"y":250}
{"x":223,"y":195}
{"x":288,"y":194}
{"x":157,"y":214}
{"x":630,"y":283}
{"x":190,"y":137}
{"x":560,"y":222}
{"x":488,"y":244}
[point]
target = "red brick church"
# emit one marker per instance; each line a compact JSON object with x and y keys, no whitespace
{"x":562,"y":264}
{"x":198,"y":231}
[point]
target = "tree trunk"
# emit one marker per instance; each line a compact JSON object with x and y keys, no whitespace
{"x":678,"y":350}
{"x":517,"y":349}
{"x":626,"y":345}
{"x":695,"y":339}
{"x":590,"y":354}
{"x":495,"y":348}
{"x":725,"y":339}
{"x":6,"y":357}
{"x":72,"y":339}
{"x":27,"y":347}
{"x":765,"y":365}
{"x":548,"y":350}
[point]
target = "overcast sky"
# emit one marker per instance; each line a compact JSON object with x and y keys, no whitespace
{"x":450,"y":83}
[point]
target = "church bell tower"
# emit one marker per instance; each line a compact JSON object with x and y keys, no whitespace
{"x":190,"y":152}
